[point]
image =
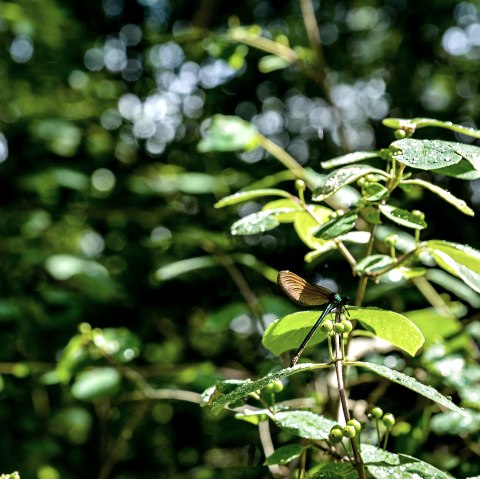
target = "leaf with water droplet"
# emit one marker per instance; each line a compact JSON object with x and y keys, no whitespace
{"x":337,"y":226}
{"x":382,"y":464}
{"x":304,"y":424}
{"x":444,"y":194}
{"x":258,"y":222}
{"x":342,"y":177}
{"x":425,"y":154}
{"x":469,"y":167}
{"x":408,"y":382}
{"x":402,"y":217}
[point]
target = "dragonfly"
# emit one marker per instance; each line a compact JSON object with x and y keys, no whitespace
{"x":304,"y":293}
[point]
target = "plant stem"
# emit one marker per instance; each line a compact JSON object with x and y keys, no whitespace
{"x":358,"y":463}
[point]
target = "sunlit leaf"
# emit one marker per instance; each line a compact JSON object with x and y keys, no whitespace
{"x":342,"y":177}
{"x":458,"y":259}
{"x":390,"y":326}
{"x":229,"y":133}
{"x":444,"y":194}
{"x":242,"y":196}
{"x":452,"y":423}
{"x":402,"y":217}
{"x":373,"y":263}
{"x":177,"y":268}
{"x":305,"y":424}
{"x":434,"y":326}
{"x":96,"y":383}
{"x":375,"y":192}
{"x":288,"y":332}
{"x":454,"y":285}
{"x":408,"y":382}
{"x":425,"y":154}
{"x":382,"y":464}
{"x":337,"y":226}
{"x":259,"y":222}
{"x":307,"y":225}
{"x":270,"y":63}
{"x":350,"y":158}
{"x":284,"y":454}
{"x":218,"y":401}
{"x":292,"y":207}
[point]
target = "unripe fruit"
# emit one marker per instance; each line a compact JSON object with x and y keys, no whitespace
{"x":349,"y":432}
{"x":376,"y":413}
{"x":388,"y":419}
{"x":336,"y":434}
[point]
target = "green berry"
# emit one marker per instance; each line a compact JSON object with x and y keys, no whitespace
{"x":347,"y":325}
{"x":349,"y":431}
{"x":376,"y":413}
{"x":400,"y":134}
{"x":388,"y":419}
{"x":391,"y":240}
{"x":268,"y":388}
{"x":419,"y":214}
{"x":277,"y":386}
{"x":327,"y":326}
{"x":339,"y":328}
{"x":336,"y":434}
{"x":300,"y":185}
{"x":356,"y":424}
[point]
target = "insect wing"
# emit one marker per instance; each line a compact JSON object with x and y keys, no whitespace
{"x":303,"y":292}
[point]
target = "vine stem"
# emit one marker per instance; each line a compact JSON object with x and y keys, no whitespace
{"x":358,"y":463}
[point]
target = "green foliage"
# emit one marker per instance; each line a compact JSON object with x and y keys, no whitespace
{"x":133,"y":135}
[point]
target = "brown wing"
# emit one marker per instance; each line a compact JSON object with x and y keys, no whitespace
{"x":301,"y":291}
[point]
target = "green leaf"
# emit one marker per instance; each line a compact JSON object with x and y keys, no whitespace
{"x":306,"y":226}
{"x":408,"y":382}
{"x":454,"y":285}
{"x":304,"y":424}
{"x":259,"y":222}
{"x":284,"y":454}
{"x":120,"y":344}
{"x":96,"y":384}
{"x":382,"y":464}
{"x":270,"y":63}
{"x":434,"y":326}
{"x":350,"y":158}
{"x":218,"y":401}
{"x":372,"y":263}
{"x":288,"y":332}
{"x":457,"y":259}
{"x":375,"y":192}
{"x":242,"y":196}
{"x":402,"y":217}
{"x":444,"y":194}
{"x":289,"y":205}
{"x":253,"y":417}
{"x":453,"y":423}
{"x":390,"y":326}
{"x":342,"y":177}
{"x":425,"y":154}
{"x":467,"y":169}
{"x":337,"y":226}
{"x":334,"y":470}
{"x":229,"y":133}
{"x":177,"y":268}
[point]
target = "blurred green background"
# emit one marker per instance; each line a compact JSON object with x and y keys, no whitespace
{"x":107,"y":217}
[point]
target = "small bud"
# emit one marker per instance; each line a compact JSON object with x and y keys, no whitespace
{"x":339,"y":328}
{"x":388,"y":419}
{"x":418,"y":214}
{"x":376,"y":413}
{"x":277,"y":386}
{"x":336,"y":434}
{"x":347,"y":326}
{"x":400,"y":134}
{"x":327,"y":326}
{"x":349,"y":431}
{"x":300,"y":185}
{"x":356,"y":424}
{"x":391,"y":240}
